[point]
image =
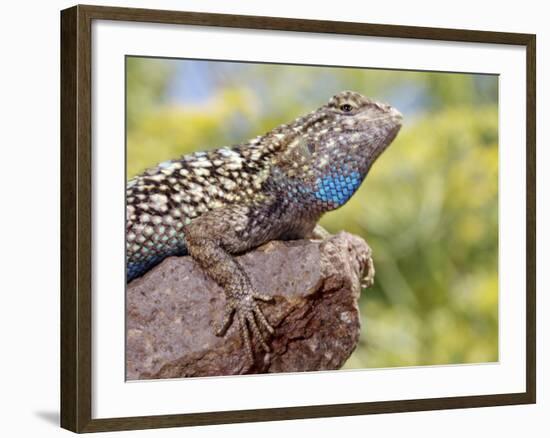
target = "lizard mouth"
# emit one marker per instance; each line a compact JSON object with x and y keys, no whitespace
{"x":396,"y":115}
{"x":393,"y":133}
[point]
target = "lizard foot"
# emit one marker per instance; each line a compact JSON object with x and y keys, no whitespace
{"x":249,"y":317}
{"x":368,"y":279}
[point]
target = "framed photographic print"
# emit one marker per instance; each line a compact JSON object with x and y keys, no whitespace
{"x":268,"y":218}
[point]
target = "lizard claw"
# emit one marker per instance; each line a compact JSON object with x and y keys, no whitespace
{"x":249,"y":316}
{"x":226,"y":321}
{"x":368,"y":280}
{"x":259,"y":315}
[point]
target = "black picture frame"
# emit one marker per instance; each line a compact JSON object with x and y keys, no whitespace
{"x":76,"y":217}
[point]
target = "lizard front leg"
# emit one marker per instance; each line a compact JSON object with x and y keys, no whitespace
{"x":210,"y":240}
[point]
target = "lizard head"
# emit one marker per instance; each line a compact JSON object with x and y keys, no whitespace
{"x":333,"y":148}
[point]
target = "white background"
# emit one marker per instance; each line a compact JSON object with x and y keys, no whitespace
{"x":29,"y":185}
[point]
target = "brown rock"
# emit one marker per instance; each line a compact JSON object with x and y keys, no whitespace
{"x":173,"y":310}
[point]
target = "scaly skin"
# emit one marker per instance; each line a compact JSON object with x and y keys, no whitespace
{"x":212,"y":205}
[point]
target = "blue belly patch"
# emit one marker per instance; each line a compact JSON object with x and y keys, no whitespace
{"x":140,"y":266}
{"x":134,"y":270}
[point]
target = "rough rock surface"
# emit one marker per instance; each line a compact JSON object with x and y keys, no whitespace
{"x":173,"y":310}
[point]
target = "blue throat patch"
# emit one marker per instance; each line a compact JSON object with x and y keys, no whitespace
{"x":337,"y":188}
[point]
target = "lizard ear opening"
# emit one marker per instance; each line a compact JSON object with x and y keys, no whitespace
{"x":307,"y":148}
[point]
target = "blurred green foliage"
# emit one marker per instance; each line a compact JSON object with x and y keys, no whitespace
{"x":428,"y":208}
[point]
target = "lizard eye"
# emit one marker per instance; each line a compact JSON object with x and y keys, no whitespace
{"x":346,"y":107}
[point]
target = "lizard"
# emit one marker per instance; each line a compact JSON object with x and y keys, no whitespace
{"x":217,"y":204}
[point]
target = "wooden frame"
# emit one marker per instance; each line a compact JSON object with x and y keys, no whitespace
{"x":76,"y":168}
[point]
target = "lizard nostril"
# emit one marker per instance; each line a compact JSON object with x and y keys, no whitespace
{"x":382,"y":107}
